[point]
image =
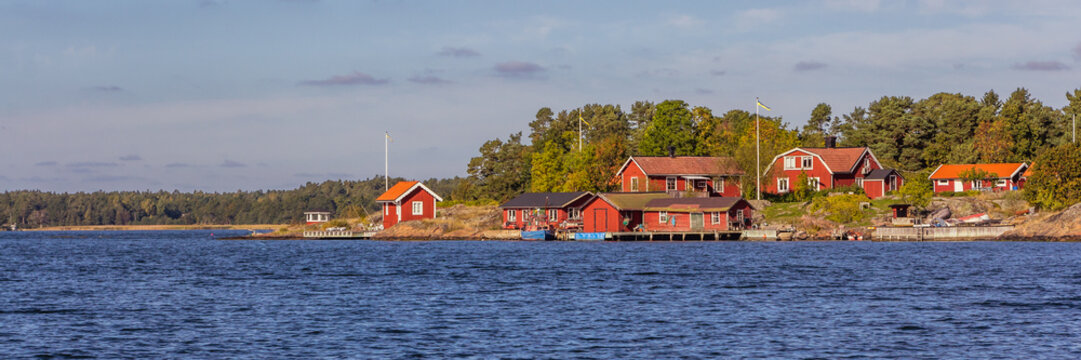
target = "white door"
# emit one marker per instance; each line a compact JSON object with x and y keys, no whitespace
{"x":958,"y":185}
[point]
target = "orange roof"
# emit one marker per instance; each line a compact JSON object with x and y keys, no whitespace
{"x":953,"y":171}
{"x":1029,"y":171}
{"x":688,"y":165}
{"x":839,"y":160}
{"x":397,"y":191}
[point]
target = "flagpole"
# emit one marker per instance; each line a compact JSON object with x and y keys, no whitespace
{"x":757,"y":154}
{"x":579,"y":132}
{"x":386,"y":161}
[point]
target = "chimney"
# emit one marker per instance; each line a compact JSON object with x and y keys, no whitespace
{"x":671,"y":151}
{"x":831,"y":141}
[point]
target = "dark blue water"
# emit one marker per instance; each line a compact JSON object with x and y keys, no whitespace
{"x":185,"y":295}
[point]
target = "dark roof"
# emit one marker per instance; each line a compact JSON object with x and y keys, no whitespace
{"x":544,"y":200}
{"x":631,"y":200}
{"x":880,"y":174}
{"x":693,"y":204}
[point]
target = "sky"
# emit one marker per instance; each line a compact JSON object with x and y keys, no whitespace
{"x":226,"y":95}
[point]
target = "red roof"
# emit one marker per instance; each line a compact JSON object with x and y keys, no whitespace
{"x":687,"y":165}
{"x":402,"y":188}
{"x":953,"y":171}
{"x":839,"y":160}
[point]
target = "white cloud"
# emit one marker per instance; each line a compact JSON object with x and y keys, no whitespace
{"x":685,"y":21}
{"x":750,"y":19}
{"x":856,"y":5}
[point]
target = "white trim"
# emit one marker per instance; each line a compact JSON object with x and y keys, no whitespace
{"x":714,"y":218}
{"x":808,"y":152}
{"x":675,"y":180}
{"x":941,"y":181}
{"x":662,"y":217}
{"x":817,"y":182}
{"x":414,"y":205}
{"x":512,"y":215}
{"x":414,"y":187}
{"x":787,"y":185}
{"x":1023,"y":165}
{"x":635,"y":185}
{"x":398,"y":209}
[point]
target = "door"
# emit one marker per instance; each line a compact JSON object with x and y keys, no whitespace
{"x":600,"y":220}
{"x":958,"y":185}
{"x":697,"y":221}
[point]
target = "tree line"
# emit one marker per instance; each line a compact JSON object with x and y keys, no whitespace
{"x":353,"y":199}
{"x":904,"y":133}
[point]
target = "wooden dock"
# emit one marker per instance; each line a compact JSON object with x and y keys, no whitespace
{"x":362,"y":235}
{"x":675,"y":236}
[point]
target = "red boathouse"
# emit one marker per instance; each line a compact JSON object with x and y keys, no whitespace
{"x":561,"y":210}
{"x":697,"y":214}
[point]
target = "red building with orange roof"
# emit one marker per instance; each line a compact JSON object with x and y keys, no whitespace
{"x":831,"y":167}
{"x":1001,"y":177}
{"x":407,"y":200}
{"x":705,"y":176}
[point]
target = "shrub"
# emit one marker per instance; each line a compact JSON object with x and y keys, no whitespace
{"x":841,"y":208}
{"x":336,"y":223}
{"x":1056,"y":178}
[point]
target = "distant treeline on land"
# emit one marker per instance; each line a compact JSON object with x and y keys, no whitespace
{"x":30,"y":209}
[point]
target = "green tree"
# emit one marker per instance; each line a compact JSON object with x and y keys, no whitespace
{"x":775,"y":139}
{"x":818,"y":126}
{"x":672,"y":125}
{"x":502,"y":170}
{"x":917,"y":190}
{"x":1056,"y":178}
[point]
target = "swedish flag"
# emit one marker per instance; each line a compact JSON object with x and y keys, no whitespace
{"x":760,"y":104}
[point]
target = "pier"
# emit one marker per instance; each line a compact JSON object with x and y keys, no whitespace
{"x":363,"y":235}
{"x":675,"y":236}
{"x":953,"y":233}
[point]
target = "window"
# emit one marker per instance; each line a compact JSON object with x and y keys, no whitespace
{"x":813,"y":183}
{"x":943,"y":182}
{"x":715,"y":218}
{"x":807,"y":162}
{"x":1000,"y":183}
{"x":575,"y":214}
{"x":893,"y":182}
{"x":977,"y":184}
{"x":782,"y":185}
{"x":670,"y":183}
{"x":866,"y":167}
{"x":512,"y":215}
{"x":718,"y":185}
{"x":859,"y":182}
{"x":553,"y":215}
{"x":789,"y":163}
{"x":739,"y":216}
{"x":634,"y":184}
{"x":418,"y":208}
{"x":662,"y":217}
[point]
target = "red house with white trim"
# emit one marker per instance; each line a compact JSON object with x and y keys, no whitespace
{"x":828,"y":168}
{"x":616,"y":212}
{"x":1001,"y":177}
{"x":697,"y":214}
{"x":703,"y":175}
{"x":407,"y":200}
{"x":545,"y":210}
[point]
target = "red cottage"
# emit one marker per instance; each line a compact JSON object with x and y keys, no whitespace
{"x":826,"y":168}
{"x":616,"y":212}
{"x":697,"y":214}
{"x":703,"y":175}
{"x":545,"y":210}
{"x":1001,"y":177}
{"x":407,"y":200}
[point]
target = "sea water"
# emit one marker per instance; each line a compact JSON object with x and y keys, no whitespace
{"x":185,"y":294}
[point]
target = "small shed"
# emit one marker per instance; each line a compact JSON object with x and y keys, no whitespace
{"x":316,"y":216}
{"x":900,"y":210}
{"x":407,"y":200}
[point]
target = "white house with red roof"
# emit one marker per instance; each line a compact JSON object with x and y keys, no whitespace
{"x":999,"y":177}
{"x":830,"y":167}
{"x":703,"y":175}
{"x":407,"y":200}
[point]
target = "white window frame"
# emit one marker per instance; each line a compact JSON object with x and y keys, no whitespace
{"x":553,"y":215}
{"x":866,"y":167}
{"x":859,"y":182}
{"x":718,"y":184}
{"x":808,"y":163}
{"x":739,"y":216}
{"x":715,"y":218}
{"x":785,"y":188}
{"x":634,"y":184}
{"x":1001,"y":183}
{"x":790,"y":163}
{"x":943,"y":182}
{"x":418,"y":208}
{"x":574,"y":214}
{"x":892,"y":182}
{"x":976,"y":184}
{"x":512,"y":215}
{"x":674,"y":183}
{"x":814,"y":183}
{"x":662,"y":217}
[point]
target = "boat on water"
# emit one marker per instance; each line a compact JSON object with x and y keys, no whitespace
{"x":538,"y":235}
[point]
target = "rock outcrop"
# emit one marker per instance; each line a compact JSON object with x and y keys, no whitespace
{"x":456,"y":222}
{"x":1061,"y":225}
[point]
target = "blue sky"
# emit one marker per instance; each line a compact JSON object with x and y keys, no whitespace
{"x":226,"y":95}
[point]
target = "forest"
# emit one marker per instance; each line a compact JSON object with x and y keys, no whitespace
{"x":904,"y":133}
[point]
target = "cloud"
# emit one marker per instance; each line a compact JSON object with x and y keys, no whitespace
{"x":429,"y":80}
{"x":809,"y":66}
{"x":91,"y":164}
{"x":131,"y":157}
{"x":1041,"y":66}
{"x":701,"y":91}
{"x":356,"y":78}
{"x":177,"y":165}
{"x":46,"y":163}
{"x":1077,"y":52}
{"x":106,"y":88}
{"x":753,"y":18}
{"x":457,"y":52}
{"x":854,"y":5}
{"x":232,"y":164}
{"x":717,"y":72}
{"x":518,"y":69}
{"x":685,"y":21}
